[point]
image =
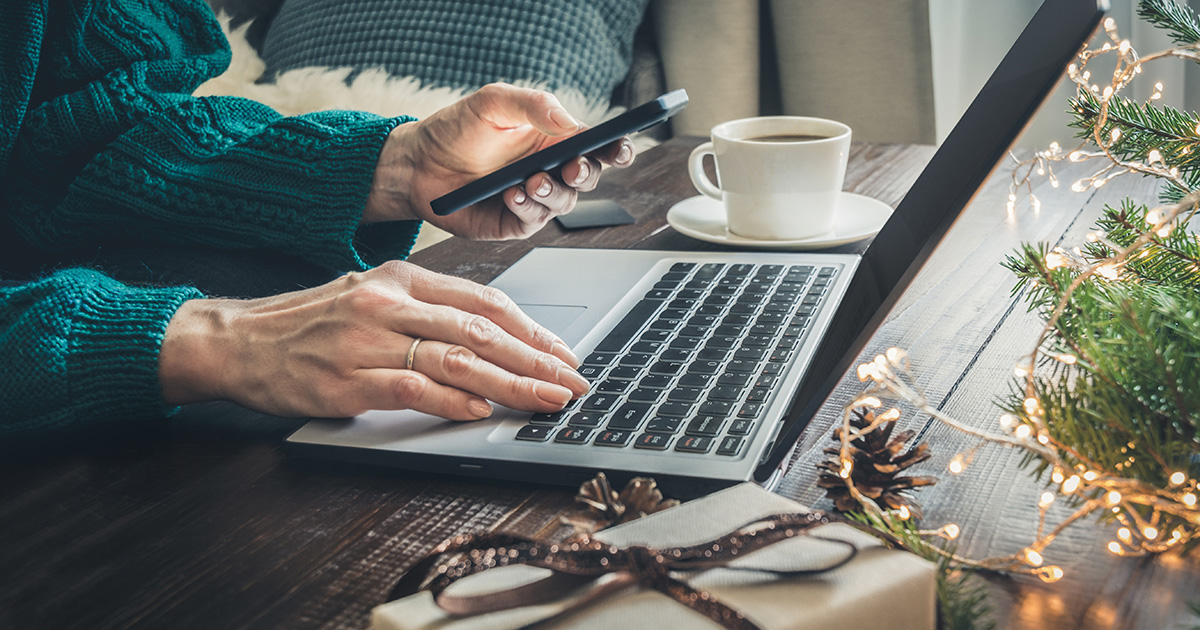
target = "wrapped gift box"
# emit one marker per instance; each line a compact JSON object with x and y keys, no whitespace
{"x":879,"y":588}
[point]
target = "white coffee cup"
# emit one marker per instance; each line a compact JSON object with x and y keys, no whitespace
{"x":780,"y":176}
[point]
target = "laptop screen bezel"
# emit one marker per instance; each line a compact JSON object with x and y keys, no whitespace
{"x":1000,"y":112}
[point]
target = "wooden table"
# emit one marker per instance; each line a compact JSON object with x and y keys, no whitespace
{"x":211,"y":526}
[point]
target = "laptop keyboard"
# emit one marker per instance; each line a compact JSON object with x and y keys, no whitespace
{"x":692,"y":366}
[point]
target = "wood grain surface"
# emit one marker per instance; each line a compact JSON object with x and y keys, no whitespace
{"x":208,"y":525}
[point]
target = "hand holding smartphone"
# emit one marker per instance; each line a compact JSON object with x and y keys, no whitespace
{"x":641,"y":117}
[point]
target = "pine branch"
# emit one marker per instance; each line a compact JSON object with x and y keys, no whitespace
{"x":1172,"y":260}
{"x":1177,"y":20}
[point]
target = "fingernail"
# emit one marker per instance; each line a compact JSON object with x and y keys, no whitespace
{"x":479,"y":407}
{"x":584,"y":170}
{"x":563,"y":350}
{"x":575,"y":381}
{"x":519,"y":196}
{"x":564,"y":120}
{"x":543,"y":190}
{"x":553,"y":394}
{"x":625,"y":153}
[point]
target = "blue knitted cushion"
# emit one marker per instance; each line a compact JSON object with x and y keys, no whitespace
{"x":580,"y":44}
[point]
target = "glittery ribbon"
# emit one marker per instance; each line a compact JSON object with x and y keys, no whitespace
{"x":574,"y":564}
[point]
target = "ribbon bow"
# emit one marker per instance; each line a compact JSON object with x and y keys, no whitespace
{"x":574,"y":564}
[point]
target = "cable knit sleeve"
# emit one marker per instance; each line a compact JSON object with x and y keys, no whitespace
{"x":79,"y":350}
{"x":114,"y":148}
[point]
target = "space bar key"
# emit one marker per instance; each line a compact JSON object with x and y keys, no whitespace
{"x":633,"y":321}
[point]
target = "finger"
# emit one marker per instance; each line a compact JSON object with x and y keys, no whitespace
{"x":381,"y":388}
{"x":472,"y":297}
{"x":551,"y":193}
{"x":487,"y":340}
{"x":582,"y":174}
{"x":507,"y":106}
{"x":528,"y":213}
{"x":458,"y":367}
{"x":619,"y":153}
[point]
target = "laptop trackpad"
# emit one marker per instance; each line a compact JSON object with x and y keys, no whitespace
{"x":556,"y":317}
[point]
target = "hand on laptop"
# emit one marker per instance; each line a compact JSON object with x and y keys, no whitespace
{"x":495,"y":126}
{"x":341,"y":349}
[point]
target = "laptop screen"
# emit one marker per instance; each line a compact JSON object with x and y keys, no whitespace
{"x":1005,"y":104}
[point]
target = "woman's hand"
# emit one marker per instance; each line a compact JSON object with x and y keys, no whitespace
{"x":495,"y":126}
{"x":340,"y":349}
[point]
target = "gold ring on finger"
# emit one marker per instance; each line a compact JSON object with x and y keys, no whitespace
{"x":412,"y":352}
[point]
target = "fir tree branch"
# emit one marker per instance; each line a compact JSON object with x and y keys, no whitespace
{"x":1177,"y":20}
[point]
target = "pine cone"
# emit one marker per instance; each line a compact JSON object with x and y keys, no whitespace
{"x":606,"y":508}
{"x":877,"y":462}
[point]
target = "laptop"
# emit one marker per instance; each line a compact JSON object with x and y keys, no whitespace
{"x":707,"y":366}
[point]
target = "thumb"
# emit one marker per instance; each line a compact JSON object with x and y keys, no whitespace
{"x":506,"y":106}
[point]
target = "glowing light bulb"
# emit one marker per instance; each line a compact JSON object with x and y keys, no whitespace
{"x":1031,"y":405}
{"x":1033,"y":558}
{"x":1115,"y":134}
{"x":1080,"y":185}
{"x":1023,"y":431}
{"x":957,"y":464}
{"x":1090,"y":475}
{"x":1007,"y":421}
{"x":904,"y":513}
{"x":1109,"y":24}
{"x":1108,"y":91}
{"x":847,"y":467}
{"x":1043,"y":437}
{"x":1050,"y":574}
{"x":1054,"y":260}
{"x":1079,"y":156}
{"x":1153,"y":217}
{"x":1114,"y":547}
{"x":1057,"y":476}
{"x":951,"y":530}
{"x":871,"y":401}
{"x":864,"y":371}
{"x":1189,"y":499}
{"x":889,"y":415}
{"x":1046,"y":500}
{"x":1150,"y":532}
{"x":1108,"y":271}
{"x":1113,"y":497}
{"x":1071,"y":484}
{"x":897,"y":356}
{"x":1069,"y":359}
{"x":1124,"y":534}
{"x":1153,"y":156}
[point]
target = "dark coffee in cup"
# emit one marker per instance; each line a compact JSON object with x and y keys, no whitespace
{"x":787,"y":137}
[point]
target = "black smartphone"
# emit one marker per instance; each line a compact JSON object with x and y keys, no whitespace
{"x":641,"y":117}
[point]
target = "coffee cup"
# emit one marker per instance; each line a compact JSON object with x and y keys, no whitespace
{"x":780,"y":177}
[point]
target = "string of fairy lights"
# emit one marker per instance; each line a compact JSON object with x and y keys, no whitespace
{"x":1151,"y":519}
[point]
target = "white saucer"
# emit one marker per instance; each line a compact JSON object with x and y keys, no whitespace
{"x":703,"y":218}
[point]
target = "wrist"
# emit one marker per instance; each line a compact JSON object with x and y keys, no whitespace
{"x":192,"y":361}
{"x":390,"y":198}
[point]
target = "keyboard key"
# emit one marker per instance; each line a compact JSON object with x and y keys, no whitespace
{"x":710,"y":309}
{"x":644,"y":395}
{"x":710,"y":270}
{"x":770,"y":270}
{"x":728,"y":330}
{"x":669,"y":368}
{"x":719,"y":300}
{"x":674,"y":313}
{"x":685,"y":343}
{"x":685,"y":394}
{"x":571,"y":435}
{"x":769,"y":318}
{"x":730,"y":445}
{"x":702,"y":283}
{"x":781,"y":355}
{"x":683,"y":266}
{"x":600,"y":358}
{"x":660,"y":336}
{"x":788,"y":343}
{"x":716,"y":408}
{"x":705,"y":425}
{"x":653,"y":441}
{"x":693,"y":331}
{"x":627,"y":328}
{"x":600,"y":402}
{"x":624,"y":373}
{"x":590,"y":372}
{"x":766,"y":381}
{"x":821,"y":282}
{"x":629,"y":416}
{"x":664,"y":425}
{"x":658,"y":294}
{"x":777,"y":307}
{"x":675,"y":409}
{"x":682,"y":304}
{"x":534,"y":433}
{"x":695,"y":380}
{"x":773,"y":368}
{"x":802,"y":270}
{"x":739,"y":270}
{"x":721,"y":341}
{"x":758,"y":394}
{"x":742,"y":367}
{"x":703,"y":321}
{"x":744,"y":308}
{"x":713,"y":354}
{"x":693,"y":444}
{"x":704,"y":367}
{"x":665,"y":323}
{"x":724,"y":393}
{"x":674,"y":276}
{"x":666,"y":285}
{"x":826,"y":271}
{"x":613,"y":438}
{"x":734,"y":380}
{"x":548,"y":418}
{"x":750,"y":411}
{"x":637,"y":360}
{"x":765,"y":329}
{"x":689,"y":294}
{"x":724,"y":289}
{"x":740,"y":426}
{"x":610,"y":386}
{"x":741,"y":321}
{"x":757,"y":341}
{"x":587,"y":419}
{"x":750,"y":354}
{"x":645,"y":347}
{"x":655,"y":381}
{"x":811,"y":299}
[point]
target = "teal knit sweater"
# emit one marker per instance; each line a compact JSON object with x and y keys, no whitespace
{"x":101,"y":142}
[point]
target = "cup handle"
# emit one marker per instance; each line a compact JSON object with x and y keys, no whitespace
{"x":696,"y":170}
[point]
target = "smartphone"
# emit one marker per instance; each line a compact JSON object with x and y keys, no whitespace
{"x":641,"y":117}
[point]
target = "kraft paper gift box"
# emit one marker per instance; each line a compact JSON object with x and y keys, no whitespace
{"x":879,"y":588}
